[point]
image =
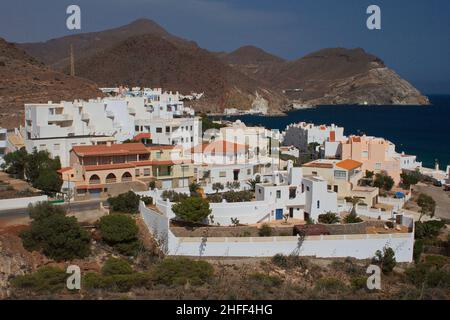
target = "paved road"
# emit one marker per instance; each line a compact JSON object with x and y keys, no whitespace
{"x":74,"y":206}
{"x":441,"y":197}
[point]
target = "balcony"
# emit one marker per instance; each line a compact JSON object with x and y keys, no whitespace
{"x":60,"y":117}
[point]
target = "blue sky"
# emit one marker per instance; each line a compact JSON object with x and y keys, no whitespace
{"x":414,"y":40}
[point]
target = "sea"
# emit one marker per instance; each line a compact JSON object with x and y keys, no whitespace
{"x":423,"y":131}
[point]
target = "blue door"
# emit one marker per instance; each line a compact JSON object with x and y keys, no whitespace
{"x":279,"y":214}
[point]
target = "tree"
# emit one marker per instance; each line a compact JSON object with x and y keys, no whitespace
{"x":410,"y":178}
{"x":427,"y":205}
{"x":115,"y":266}
{"x":253,"y":182}
{"x":352,"y":218}
{"x":15,"y":162}
{"x":385,"y":259}
{"x":329,"y":218}
{"x":121,"y":232}
{"x":383,"y":181}
{"x":126,"y":202}
{"x":217,"y":186}
{"x":369,"y":174}
{"x":48,"y":181}
{"x":235,"y":185}
{"x":193,"y":209}
{"x":265,"y":230}
{"x":55,"y":235}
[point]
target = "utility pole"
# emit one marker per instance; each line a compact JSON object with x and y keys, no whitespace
{"x":72,"y":62}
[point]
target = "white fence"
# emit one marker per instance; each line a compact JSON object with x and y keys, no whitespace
{"x":18,"y":203}
{"x":366,"y":211}
{"x":360,"y":246}
{"x":397,"y":203}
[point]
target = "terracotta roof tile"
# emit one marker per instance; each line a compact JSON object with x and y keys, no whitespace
{"x":113,"y":149}
{"x":349,"y":164}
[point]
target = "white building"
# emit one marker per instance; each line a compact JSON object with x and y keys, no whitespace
{"x":57,"y":127}
{"x":408,"y":161}
{"x":302,"y":134}
{"x":3,"y":143}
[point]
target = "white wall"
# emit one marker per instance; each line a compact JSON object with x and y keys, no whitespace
{"x":18,"y":203}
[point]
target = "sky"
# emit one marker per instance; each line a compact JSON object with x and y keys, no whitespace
{"x":414,"y":39}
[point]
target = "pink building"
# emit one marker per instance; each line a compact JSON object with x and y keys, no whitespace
{"x":376,"y":154}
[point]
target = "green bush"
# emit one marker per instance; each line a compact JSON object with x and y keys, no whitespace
{"x":328,"y":218}
{"x":44,"y":280}
{"x":265,"y":280}
{"x":358,"y":283}
{"x":265,"y":230}
{"x":125,"y":202}
{"x":215,"y":198}
{"x":117,"y":282}
{"x":289,"y":262}
{"x":121,"y":232}
{"x":436,"y":261}
{"x":424,"y":274}
{"x":352,"y":218}
{"x":331,"y":285}
{"x":114,"y":266}
{"x":147,"y":200}
{"x":428,"y":230}
{"x":179,"y":271}
{"x":193,"y":209}
{"x":55,"y":235}
{"x":385,"y":259}
{"x":418,"y":249}
{"x":238,"y":196}
{"x":280,"y":260}
{"x":383,"y":181}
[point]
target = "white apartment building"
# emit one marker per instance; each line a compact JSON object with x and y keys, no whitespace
{"x":302,"y":134}
{"x":3,"y":143}
{"x":408,"y":161}
{"x":57,"y":127}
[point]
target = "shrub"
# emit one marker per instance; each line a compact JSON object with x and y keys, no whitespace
{"x":265,"y":230}
{"x":173,"y":196}
{"x":352,"y":218}
{"x":358,"y":283}
{"x":280,"y":260}
{"x":410,"y":178}
{"x":215,"y":198}
{"x":427,"y":205}
{"x":418,"y":249}
{"x":383,"y":181}
{"x":117,"y":282}
{"x":114,"y":266}
{"x":152,"y":185}
{"x":289,"y":262}
{"x":238,"y":196}
{"x":428,"y":229}
{"x":193,"y":209}
{"x":385,"y":259}
{"x":44,"y":280}
{"x":265,"y":280}
{"x":147,"y":200}
{"x":121,"y":232}
{"x":57,"y":236}
{"x":328,"y":218}
{"x":125,"y":202}
{"x":217,"y":186}
{"x":332,"y":285}
{"x":422,"y":274}
{"x":179,"y":271}
{"x":435,"y":261}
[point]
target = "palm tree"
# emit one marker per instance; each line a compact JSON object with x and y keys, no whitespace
{"x":252,"y":182}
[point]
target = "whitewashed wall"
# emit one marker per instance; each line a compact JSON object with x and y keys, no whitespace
{"x":18,"y":203}
{"x":358,"y":246}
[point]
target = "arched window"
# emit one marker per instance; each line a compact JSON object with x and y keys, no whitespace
{"x":127,"y":177}
{"x":94,"y":179}
{"x":111,"y":178}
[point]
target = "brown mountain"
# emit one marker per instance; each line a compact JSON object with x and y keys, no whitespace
{"x":149,"y":60}
{"x":55,"y":52}
{"x":25,"y":80}
{"x":333,"y":76}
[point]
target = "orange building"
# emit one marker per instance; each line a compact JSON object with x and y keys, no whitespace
{"x":110,"y":169}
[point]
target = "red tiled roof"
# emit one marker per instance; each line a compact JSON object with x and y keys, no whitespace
{"x":219,"y":147}
{"x":65,"y":169}
{"x":349,"y":164}
{"x":143,"y":135}
{"x":109,"y":166}
{"x":113,"y":149}
{"x":161,"y":147}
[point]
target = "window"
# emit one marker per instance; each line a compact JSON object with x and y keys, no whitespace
{"x":314,"y":173}
{"x":158,"y":155}
{"x":365,"y":154}
{"x":278,"y":194}
{"x":191,"y":128}
{"x":292,"y":193}
{"x":192,"y":139}
{"x":336,"y":188}
{"x":146,"y":172}
{"x":249,"y":171}
{"x":222,"y":174}
{"x":378,"y":166}
{"x":158,"y":130}
{"x":167,"y":129}
{"x":303,"y":188}
{"x":136,"y":128}
{"x":318,"y":204}
{"x":339,"y":174}
{"x":307,"y":188}
{"x":56,"y":147}
{"x":137,"y":173}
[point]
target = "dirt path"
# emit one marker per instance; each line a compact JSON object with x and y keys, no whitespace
{"x":441,"y":197}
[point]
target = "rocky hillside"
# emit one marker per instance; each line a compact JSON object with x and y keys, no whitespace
{"x":149,"y":60}
{"x":334,"y":76}
{"x":25,"y":80}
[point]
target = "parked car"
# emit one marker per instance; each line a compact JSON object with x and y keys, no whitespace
{"x":437,"y":183}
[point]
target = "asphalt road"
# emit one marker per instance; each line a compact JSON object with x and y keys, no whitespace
{"x":74,"y":206}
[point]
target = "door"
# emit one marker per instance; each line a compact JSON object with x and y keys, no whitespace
{"x":291,"y":212}
{"x":279,"y":214}
{"x":183,"y":182}
{"x":236,"y":175}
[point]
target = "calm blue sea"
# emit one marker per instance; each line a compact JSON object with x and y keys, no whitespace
{"x":420,"y":130}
